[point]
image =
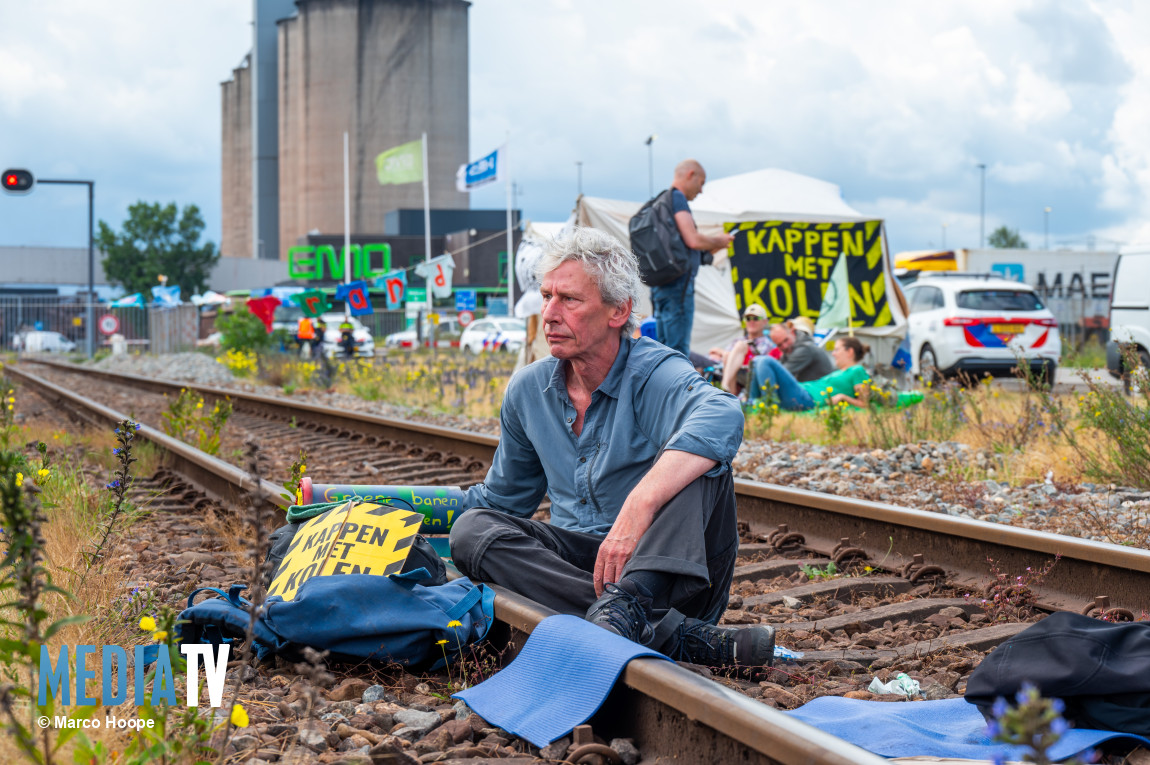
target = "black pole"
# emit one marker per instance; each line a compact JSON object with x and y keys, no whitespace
{"x":91,"y":321}
{"x":90,"y":315}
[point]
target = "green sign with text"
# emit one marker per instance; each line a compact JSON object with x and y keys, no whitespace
{"x":322,"y":262}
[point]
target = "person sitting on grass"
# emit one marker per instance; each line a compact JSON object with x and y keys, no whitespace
{"x":735,"y":357}
{"x":850,"y":383}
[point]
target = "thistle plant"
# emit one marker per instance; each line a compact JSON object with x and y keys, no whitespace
{"x":1034,"y":722}
{"x":119,"y":485}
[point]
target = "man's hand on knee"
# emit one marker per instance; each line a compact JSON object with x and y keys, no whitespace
{"x":614,"y":552}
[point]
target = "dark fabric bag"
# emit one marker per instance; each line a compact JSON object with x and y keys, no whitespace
{"x":656,"y":242}
{"x":394,"y":618}
{"x":1101,"y":670}
{"x":422,"y":554}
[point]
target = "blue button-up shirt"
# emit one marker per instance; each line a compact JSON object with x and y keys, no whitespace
{"x":651,"y":400}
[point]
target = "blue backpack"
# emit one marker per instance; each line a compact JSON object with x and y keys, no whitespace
{"x":353,"y":616}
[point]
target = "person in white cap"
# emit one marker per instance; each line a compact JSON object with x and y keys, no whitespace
{"x":739,"y":354}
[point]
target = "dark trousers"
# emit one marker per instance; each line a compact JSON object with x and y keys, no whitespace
{"x":693,"y":537}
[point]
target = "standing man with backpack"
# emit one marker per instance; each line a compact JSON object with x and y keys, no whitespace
{"x":670,"y":250}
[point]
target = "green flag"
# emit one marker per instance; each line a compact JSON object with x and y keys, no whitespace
{"x":311,"y":302}
{"x":403,"y":164}
{"x":835,"y":312}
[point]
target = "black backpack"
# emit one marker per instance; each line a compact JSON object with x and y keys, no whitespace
{"x":1100,"y":670}
{"x":656,"y":242}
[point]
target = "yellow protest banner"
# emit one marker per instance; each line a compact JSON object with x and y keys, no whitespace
{"x":353,"y":538}
{"x":786,"y":267}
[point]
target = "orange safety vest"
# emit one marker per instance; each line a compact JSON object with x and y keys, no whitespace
{"x":305,"y":330}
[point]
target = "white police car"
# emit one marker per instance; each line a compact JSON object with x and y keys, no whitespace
{"x":978,"y":325}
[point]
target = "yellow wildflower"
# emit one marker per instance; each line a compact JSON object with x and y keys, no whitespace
{"x":160,"y":636}
{"x":302,"y":469}
{"x":44,"y":472}
{"x":455,"y":623}
{"x":19,"y":479}
{"x":441,"y":642}
{"x":148,"y":624}
{"x":240,"y":716}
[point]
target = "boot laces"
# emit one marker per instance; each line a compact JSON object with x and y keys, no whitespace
{"x":624,"y":613}
{"x":705,"y":644}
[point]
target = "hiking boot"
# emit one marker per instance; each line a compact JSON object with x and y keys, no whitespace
{"x":622,"y":612}
{"x":706,"y":644}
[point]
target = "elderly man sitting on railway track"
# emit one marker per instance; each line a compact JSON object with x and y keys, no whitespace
{"x":634,"y":450}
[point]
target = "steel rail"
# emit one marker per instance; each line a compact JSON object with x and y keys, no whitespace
{"x":889,"y":535}
{"x":672,"y":712}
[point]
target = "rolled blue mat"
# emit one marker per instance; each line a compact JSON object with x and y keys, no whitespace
{"x":523,"y":697}
{"x":945,"y":728}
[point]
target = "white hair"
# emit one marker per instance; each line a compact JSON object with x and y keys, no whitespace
{"x":613,"y":268}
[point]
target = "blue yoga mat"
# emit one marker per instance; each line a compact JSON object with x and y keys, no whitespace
{"x":559,"y":679}
{"x":947,"y":728}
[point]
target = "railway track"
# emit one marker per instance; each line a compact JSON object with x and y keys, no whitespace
{"x":895,"y":600}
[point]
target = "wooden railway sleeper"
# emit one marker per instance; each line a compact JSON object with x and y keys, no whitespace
{"x":587,"y":751}
{"x":1101,"y":604}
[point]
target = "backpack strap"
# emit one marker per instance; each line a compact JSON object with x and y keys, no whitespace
{"x":232,"y":595}
{"x":408,"y":579}
{"x":488,"y":611}
{"x":473,"y":596}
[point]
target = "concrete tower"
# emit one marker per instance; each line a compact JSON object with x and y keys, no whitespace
{"x":385,"y":71}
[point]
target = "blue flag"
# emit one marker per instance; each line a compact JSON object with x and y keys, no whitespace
{"x":481,"y":172}
{"x":355,"y":293}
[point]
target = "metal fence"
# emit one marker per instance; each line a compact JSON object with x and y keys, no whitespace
{"x":156,"y":329}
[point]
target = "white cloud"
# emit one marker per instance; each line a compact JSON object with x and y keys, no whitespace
{"x":1037,"y":99}
{"x":897,"y":103}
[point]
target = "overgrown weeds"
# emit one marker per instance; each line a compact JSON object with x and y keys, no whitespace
{"x":1122,"y":454}
{"x":1009,"y":598}
{"x":187,"y":420}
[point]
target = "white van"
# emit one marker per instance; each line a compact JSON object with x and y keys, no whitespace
{"x":1129,"y":311}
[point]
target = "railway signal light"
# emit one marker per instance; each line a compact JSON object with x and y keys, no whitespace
{"x":16,"y":181}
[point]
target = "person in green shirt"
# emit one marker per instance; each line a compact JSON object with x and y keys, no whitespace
{"x":850,"y":382}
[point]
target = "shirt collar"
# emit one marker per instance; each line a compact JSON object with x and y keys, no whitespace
{"x":610,"y":384}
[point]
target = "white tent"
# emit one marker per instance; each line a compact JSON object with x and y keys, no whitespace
{"x":768,"y":194}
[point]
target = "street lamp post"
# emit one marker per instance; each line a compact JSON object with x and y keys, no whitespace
{"x":89,"y":320}
{"x":944,"y":235}
{"x":982,"y":207}
{"x":1046,"y":228}
{"x":650,"y":165}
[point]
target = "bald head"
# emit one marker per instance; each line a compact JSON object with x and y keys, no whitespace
{"x":689,"y":178}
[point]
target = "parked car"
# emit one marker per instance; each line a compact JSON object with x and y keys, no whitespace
{"x":1129,"y":314}
{"x":447,"y":334}
{"x":979,"y":324}
{"x":364,"y":342}
{"x":502,"y":333}
{"x":42,"y":341}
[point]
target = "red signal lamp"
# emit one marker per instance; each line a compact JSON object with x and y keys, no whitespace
{"x":16,"y":181}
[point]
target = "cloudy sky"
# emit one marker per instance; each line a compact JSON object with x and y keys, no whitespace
{"x":896,"y":102}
